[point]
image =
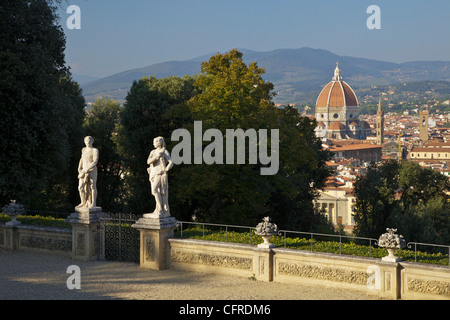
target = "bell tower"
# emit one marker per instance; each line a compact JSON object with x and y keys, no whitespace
{"x":423,"y":125}
{"x":380,"y":124}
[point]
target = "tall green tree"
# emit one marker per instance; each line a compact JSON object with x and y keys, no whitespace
{"x":41,"y":108}
{"x":375,"y":198}
{"x":233,"y":95}
{"x":406,"y":196}
{"x":153,"y":107}
{"x":101,"y":123}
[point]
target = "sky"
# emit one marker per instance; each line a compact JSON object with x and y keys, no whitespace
{"x":118,"y":35}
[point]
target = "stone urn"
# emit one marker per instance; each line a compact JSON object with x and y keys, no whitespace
{"x":392,"y":242}
{"x":13,"y":209}
{"x":266,"y":230}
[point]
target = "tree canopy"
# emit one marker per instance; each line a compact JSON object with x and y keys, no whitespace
{"x":406,"y":196}
{"x":41,"y":108}
{"x":153,"y":107}
{"x":227,"y":94}
{"x":43,"y":133}
{"x":232,"y":95}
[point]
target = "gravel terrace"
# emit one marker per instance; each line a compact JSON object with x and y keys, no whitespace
{"x":30,"y":276}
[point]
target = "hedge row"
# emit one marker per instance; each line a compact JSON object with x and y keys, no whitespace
{"x":38,"y":221}
{"x":349,"y":248}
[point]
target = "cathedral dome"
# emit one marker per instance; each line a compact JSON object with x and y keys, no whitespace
{"x":337,"y":93}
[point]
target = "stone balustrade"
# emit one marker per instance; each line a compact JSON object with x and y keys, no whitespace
{"x":390,"y":279}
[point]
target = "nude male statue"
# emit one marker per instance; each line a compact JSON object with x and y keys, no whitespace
{"x":87,"y":174}
{"x":160,"y":162}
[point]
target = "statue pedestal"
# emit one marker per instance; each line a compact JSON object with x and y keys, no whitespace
{"x":85,"y":215}
{"x":155,"y":231}
{"x":391,"y":257}
{"x":85,"y":222}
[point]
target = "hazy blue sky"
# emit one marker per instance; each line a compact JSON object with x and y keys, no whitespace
{"x":117,"y":35}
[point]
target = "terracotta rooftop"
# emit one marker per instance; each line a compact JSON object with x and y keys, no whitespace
{"x":336,"y":125}
{"x":438,"y":144}
{"x":429,"y":149}
{"x":350,"y":141}
{"x":355,"y":147}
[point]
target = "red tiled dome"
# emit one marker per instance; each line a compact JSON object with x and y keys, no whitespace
{"x":336,"y":125}
{"x":337,"y":93}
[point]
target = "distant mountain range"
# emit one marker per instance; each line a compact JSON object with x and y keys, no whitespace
{"x":82,"y":79}
{"x":297,"y":74}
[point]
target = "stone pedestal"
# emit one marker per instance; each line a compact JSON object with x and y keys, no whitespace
{"x":391,"y":257}
{"x":155,"y":232}
{"x":85,"y":222}
{"x":263,"y":260}
{"x":266,"y":244}
{"x":10,"y":237}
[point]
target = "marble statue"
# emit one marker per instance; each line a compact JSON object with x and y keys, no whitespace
{"x":160,"y":162}
{"x":87,"y":174}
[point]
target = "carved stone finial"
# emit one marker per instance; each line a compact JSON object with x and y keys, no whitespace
{"x":13,"y":209}
{"x":392,"y":242}
{"x":266,"y":230}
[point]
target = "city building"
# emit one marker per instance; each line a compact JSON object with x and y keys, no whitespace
{"x":337,"y":205}
{"x":422,"y":134}
{"x":364,"y":152}
{"x":431,"y":154}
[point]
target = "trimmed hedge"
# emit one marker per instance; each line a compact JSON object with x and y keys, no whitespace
{"x":350,"y":248}
{"x":38,"y":221}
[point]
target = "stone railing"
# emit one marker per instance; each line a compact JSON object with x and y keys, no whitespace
{"x":389,"y":278}
{"x":43,"y":239}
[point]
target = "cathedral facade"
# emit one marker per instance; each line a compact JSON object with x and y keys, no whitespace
{"x":337,"y":111}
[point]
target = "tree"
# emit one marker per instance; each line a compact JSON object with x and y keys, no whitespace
{"x":153,"y":107}
{"x":405,"y":196}
{"x":233,"y":95}
{"x":375,"y":195}
{"x":101,"y":123}
{"x":41,"y":108}
{"x":303,"y":171}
